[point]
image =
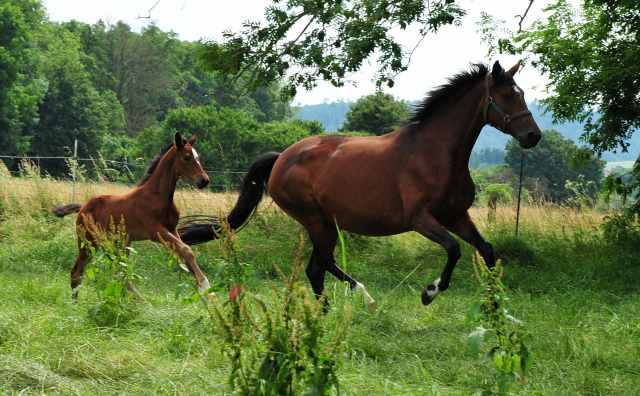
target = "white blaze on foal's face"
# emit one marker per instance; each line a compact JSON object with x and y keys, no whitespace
{"x":195,"y":154}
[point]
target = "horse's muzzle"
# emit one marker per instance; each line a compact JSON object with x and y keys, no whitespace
{"x":202,"y":181}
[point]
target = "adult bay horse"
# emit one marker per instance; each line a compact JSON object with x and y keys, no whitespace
{"x":148,"y":210}
{"x":414,"y":179}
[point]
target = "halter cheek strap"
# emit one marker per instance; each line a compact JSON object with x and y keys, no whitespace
{"x":505,"y":117}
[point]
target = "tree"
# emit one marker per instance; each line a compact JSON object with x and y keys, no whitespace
{"x":20,"y":86}
{"x":591,"y":55}
{"x":486,"y":157}
{"x":548,"y":163}
{"x":228,"y":141}
{"x":377,"y":114}
{"x":307,"y":40}
{"x":71,"y":106}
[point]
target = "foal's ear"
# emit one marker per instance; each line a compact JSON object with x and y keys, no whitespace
{"x":497,"y":70}
{"x":514,"y":69}
{"x":178,"y":140}
{"x":192,"y":140}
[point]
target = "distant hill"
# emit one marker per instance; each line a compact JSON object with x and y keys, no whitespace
{"x":332,"y":115}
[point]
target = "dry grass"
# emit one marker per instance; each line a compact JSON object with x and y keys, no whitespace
{"x":33,"y":193}
{"x":538,"y":218}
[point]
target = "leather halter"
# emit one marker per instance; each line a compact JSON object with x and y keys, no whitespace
{"x":505,"y":117}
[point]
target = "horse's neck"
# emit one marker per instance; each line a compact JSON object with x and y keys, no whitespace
{"x":454,"y":131}
{"x":164,"y":179}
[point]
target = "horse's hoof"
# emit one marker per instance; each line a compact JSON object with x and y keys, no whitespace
{"x":371,"y":305}
{"x":429,"y":294}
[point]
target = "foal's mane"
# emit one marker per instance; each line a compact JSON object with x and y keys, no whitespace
{"x":456,"y":87}
{"x":155,"y":161}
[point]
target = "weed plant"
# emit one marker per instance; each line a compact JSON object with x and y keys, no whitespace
{"x":109,"y":273}
{"x":275,"y":347}
{"x":509,"y":354}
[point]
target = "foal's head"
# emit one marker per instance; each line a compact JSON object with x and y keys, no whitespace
{"x":186,"y":161}
{"x":506,"y":94}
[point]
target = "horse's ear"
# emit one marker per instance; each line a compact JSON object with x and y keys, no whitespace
{"x":192,"y":140}
{"x":514,"y":69}
{"x":497,"y":70}
{"x":178,"y":140}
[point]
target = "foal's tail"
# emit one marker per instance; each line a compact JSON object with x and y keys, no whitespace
{"x":199,"y":229}
{"x":63,"y":210}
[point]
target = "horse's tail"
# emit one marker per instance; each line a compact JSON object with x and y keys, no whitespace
{"x":201,"y":228}
{"x":63,"y":210}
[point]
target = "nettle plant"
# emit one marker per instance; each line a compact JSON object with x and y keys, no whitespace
{"x":279,"y":346}
{"x":110,"y":272}
{"x":503,"y":332}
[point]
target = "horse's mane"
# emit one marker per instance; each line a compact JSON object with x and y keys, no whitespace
{"x":456,"y":87}
{"x":155,"y":161}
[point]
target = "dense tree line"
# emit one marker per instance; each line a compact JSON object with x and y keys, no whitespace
{"x":105,"y":84}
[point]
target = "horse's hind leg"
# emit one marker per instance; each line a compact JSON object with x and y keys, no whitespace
{"x":315,"y":273}
{"x":463,"y":227}
{"x":324,"y":243}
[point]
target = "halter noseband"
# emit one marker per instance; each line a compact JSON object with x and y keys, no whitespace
{"x":505,"y":117}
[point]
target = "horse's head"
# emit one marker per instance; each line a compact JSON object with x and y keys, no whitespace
{"x":187,"y":161}
{"x":506,"y":109}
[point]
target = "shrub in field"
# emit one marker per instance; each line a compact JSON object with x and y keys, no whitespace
{"x":109,"y":274}
{"x":507,"y":334}
{"x":622,"y":229}
{"x":502,"y":192}
{"x":276,"y":348}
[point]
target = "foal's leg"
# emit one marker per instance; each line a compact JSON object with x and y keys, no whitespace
{"x":81,"y":262}
{"x":430,"y":228}
{"x":325,"y":238}
{"x":85,"y":242}
{"x":186,"y":254}
{"x":463,"y":227}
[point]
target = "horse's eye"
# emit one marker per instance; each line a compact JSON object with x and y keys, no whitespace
{"x":186,"y":158}
{"x":506,"y":96}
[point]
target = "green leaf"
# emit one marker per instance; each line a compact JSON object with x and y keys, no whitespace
{"x":507,"y":380}
{"x":475,"y":309}
{"x":113,"y":289}
{"x":190,"y":300}
{"x":93,"y":311}
{"x":180,"y":289}
{"x":490,"y":355}
{"x":476,"y":339}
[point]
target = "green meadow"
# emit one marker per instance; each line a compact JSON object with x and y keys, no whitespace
{"x":576,"y":290}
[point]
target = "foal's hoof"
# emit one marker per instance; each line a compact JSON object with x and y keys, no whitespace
{"x":429,"y":294}
{"x":371,"y":305}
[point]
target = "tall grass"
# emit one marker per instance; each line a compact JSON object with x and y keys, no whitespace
{"x":577,"y":293}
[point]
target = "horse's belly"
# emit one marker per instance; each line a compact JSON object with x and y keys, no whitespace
{"x":364,"y":212}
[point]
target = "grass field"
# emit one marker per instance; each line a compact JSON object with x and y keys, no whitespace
{"x":576,"y":292}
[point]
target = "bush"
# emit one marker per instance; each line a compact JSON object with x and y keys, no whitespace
{"x":502,"y":192}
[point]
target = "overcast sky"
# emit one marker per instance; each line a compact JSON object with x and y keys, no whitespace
{"x":438,"y":56}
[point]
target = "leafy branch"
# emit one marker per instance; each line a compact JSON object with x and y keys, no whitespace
{"x":334,"y":39}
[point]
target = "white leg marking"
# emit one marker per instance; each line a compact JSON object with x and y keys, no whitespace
{"x":368,"y":300}
{"x":434,"y":293}
{"x":204,"y":286}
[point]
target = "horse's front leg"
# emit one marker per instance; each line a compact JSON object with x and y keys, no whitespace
{"x":463,"y":227}
{"x":186,"y":254}
{"x":429,"y":227}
